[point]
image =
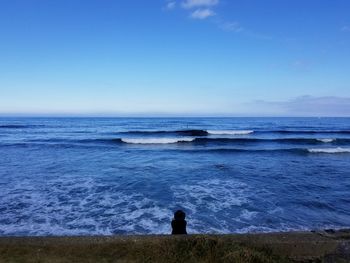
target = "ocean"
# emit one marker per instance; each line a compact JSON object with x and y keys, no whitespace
{"x":106,"y":176}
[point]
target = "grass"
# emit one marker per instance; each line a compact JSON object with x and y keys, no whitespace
{"x":208,"y":249}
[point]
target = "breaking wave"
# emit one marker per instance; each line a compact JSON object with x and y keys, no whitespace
{"x":200,"y":132}
{"x":192,"y":132}
{"x":176,"y":132}
{"x":326,"y":140}
{"x":156,"y":140}
{"x":277,"y":150}
{"x":201,"y":141}
{"x":229,"y":132}
{"x":330,"y":150}
{"x":307,"y":131}
{"x":277,"y":140}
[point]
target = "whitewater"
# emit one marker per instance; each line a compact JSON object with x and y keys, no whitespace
{"x":106,"y":176}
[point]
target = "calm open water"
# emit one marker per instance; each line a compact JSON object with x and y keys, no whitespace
{"x":89,"y":176}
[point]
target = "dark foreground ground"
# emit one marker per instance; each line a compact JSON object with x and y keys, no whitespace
{"x":325,"y":246}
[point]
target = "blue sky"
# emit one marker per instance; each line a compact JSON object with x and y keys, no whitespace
{"x":176,"y":58}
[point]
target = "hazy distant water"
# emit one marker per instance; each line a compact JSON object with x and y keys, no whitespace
{"x":61,"y":176}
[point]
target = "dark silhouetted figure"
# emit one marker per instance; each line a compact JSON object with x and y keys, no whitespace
{"x":179,"y":223}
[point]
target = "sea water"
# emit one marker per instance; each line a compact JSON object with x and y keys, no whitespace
{"x":93,"y":176}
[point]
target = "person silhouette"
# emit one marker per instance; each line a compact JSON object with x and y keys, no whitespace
{"x":179,"y":223}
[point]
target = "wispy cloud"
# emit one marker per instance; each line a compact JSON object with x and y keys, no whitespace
{"x":204,"y":9}
{"x":199,"y":9}
{"x":345,"y":29}
{"x":306,"y":106}
{"x":230,"y":26}
{"x":170,"y":5}
{"x":236,"y":27}
{"x":188,"y":4}
{"x":202,"y":13}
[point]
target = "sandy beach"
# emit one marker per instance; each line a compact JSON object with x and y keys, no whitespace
{"x":323,"y":246}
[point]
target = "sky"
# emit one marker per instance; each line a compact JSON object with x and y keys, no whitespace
{"x":175,"y":57}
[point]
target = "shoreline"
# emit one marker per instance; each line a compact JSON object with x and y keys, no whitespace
{"x":316,"y":246}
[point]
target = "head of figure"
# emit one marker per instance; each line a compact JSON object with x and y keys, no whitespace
{"x":179,"y":215}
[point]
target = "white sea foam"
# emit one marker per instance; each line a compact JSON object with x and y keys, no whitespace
{"x":69,"y":205}
{"x":326,"y":140}
{"x":248,"y":215}
{"x":156,"y":140}
{"x":330,"y":150}
{"x":213,"y":194}
{"x":228,"y":132}
{"x":79,"y":207}
{"x":266,"y":229}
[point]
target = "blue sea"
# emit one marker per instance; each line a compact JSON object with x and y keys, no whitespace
{"x":106,"y":176}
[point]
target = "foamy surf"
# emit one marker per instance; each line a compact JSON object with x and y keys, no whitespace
{"x":156,"y":140}
{"x":228,"y":132}
{"x":326,"y":140}
{"x":330,"y":150}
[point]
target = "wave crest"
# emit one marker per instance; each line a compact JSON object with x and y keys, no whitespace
{"x":326,"y":140}
{"x":156,"y":140}
{"x":229,"y":132}
{"x":191,"y":133}
{"x":330,"y":150}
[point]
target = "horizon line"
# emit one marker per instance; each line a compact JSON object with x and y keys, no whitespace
{"x":163,"y":116}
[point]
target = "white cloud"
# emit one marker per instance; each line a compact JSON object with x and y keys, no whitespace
{"x":199,"y":3}
{"x":199,"y":9}
{"x":231,"y":26}
{"x":202,"y":13}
